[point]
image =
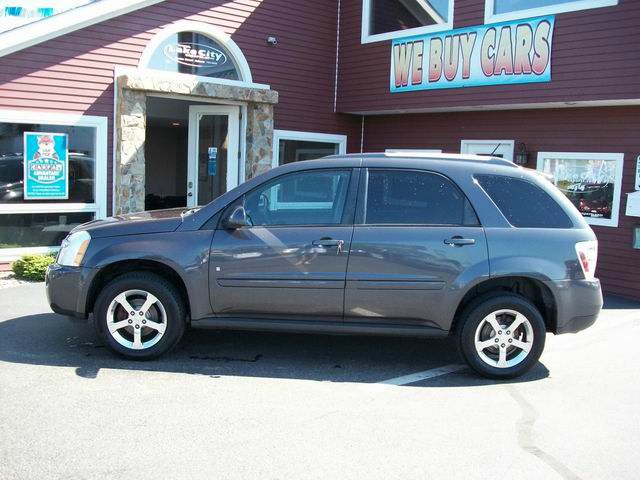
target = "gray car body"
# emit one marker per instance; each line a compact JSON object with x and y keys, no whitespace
{"x":387,"y":279}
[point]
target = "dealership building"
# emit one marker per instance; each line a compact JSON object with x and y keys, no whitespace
{"x":111,"y":107}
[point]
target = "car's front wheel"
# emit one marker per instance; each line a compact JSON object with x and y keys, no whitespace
{"x":501,"y":336}
{"x":140,"y":315}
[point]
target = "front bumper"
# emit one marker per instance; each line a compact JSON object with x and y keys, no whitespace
{"x":578,"y":302}
{"x":67,"y":289}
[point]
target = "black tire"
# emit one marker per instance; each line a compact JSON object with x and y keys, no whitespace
{"x":474,"y":314}
{"x":169,"y":300}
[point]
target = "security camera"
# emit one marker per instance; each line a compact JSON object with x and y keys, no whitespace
{"x":272,"y":40}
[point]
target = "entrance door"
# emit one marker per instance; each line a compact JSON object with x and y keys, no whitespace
{"x":497,"y":148}
{"x":214,"y":135}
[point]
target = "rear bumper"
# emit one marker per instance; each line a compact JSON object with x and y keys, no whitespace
{"x":579,"y":303}
{"x":67,"y":289}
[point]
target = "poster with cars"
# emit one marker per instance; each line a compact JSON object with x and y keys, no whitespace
{"x":46,"y":166}
{"x":591,"y":181}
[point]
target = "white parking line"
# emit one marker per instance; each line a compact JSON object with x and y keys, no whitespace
{"x":424,"y":375}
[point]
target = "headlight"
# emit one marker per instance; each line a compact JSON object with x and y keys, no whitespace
{"x":73,"y":249}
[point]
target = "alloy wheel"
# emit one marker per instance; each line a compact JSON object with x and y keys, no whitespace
{"x":136,"y":319}
{"x":504,"y":338}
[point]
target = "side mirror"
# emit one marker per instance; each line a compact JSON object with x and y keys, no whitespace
{"x":236,"y":219}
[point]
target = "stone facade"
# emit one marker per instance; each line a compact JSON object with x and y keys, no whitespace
{"x":131,"y":127}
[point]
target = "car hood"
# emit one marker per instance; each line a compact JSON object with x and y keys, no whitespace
{"x":155,"y":221}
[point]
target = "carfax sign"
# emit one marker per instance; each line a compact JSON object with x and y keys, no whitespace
{"x":495,"y":54}
{"x":46,"y":166}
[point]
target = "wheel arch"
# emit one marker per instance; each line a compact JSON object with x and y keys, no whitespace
{"x":116,"y":269}
{"x":529,"y":288}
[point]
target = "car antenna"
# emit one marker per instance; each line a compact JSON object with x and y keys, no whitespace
{"x":495,"y":149}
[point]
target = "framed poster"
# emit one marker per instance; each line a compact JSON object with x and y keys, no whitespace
{"x":46,"y":166}
{"x":592,"y":181}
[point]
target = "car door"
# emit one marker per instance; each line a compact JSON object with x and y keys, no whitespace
{"x":291,"y":262}
{"x":416,"y":240}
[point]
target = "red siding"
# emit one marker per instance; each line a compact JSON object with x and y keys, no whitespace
{"x":74,"y":73}
{"x":612,"y":130}
{"x":592,"y":59}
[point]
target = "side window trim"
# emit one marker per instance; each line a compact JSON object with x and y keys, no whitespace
{"x":361,"y":207}
{"x":348,"y":211}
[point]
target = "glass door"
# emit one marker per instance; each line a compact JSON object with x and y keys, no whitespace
{"x":214,"y":136}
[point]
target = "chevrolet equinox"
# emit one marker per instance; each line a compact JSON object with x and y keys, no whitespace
{"x":435,"y":246}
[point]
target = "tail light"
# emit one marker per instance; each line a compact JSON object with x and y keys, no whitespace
{"x":587,"y":257}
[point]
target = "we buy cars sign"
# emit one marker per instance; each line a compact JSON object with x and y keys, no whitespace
{"x":495,"y":54}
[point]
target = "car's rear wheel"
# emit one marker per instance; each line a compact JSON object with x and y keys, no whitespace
{"x":501,"y":336}
{"x":140,"y":315}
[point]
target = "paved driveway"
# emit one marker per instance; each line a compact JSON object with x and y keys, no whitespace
{"x":275,"y":406}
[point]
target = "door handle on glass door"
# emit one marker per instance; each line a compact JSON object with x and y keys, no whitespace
{"x":329,"y":242}
{"x":458,"y":241}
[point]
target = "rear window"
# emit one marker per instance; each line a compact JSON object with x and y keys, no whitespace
{"x":524,"y":204}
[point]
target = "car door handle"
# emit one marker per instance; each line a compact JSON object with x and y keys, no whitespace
{"x":458,"y":241}
{"x":329,"y":242}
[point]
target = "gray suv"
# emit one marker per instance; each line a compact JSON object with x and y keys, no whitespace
{"x":447,"y":245}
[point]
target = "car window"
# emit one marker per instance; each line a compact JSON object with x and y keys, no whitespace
{"x":523,"y":203}
{"x":305,"y":198}
{"x":397,"y":197}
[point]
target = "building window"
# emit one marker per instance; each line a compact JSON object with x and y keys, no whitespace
{"x":386,"y":19}
{"x":194,"y":54}
{"x":197,"y":48}
{"x":502,"y":10}
{"x":591,"y":181}
{"x":52,"y":178}
{"x":290,"y":146}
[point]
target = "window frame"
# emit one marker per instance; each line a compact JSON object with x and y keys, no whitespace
{"x":576,"y":5}
{"x":98,"y":207}
{"x":367,"y":37}
{"x":348,"y":211}
{"x":295,"y":135}
{"x":617,"y":185}
{"x":364,"y":190}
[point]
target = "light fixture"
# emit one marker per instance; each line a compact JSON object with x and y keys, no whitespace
{"x":175,"y":124}
{"x":522,"y":157}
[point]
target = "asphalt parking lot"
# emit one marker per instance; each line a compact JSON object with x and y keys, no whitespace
{"x":238,"y":405}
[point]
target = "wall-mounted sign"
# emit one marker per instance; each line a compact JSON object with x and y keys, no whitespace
{"x":212,"y":164}
{"x":195,"y":55}
{"x":633,"y":205}
{"x":592,"y":181}
{"x":495,"y":54}
{"x":46,"y":166}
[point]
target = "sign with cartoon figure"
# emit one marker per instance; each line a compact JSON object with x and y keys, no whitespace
{"x":46,"y":166}
{"x":496,"y":54}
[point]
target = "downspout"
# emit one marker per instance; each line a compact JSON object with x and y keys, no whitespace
{"x":335,"y":89}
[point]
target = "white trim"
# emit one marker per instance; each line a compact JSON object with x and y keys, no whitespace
{"x":486,"y":147}
{"x":64,"y":119}
{"x":233,"y":159}
{"x":75,"y":19}
{"x":490,"y":17}
{"x":340,"y":140}
{"x":174,"y":76}
{"x":617,"y":187}
{"x":12,"y":254}
{"x":366,"y":37}
{"x":204,"y":29}
{"x":493,"y":107}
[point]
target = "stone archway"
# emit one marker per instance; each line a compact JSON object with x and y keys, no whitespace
{"x":130,"y":123}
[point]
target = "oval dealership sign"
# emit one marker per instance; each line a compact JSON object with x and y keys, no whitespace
{"x":195,"y":54}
